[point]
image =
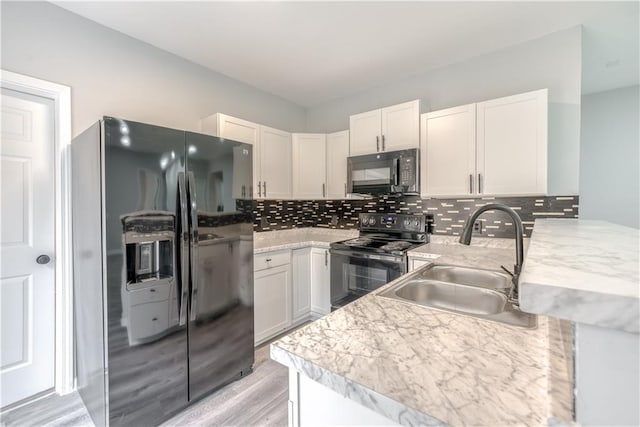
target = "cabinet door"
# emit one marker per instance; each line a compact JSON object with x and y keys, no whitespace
{"x":309,"y":152}
{"x":365,"y":133}
{"x":337,"y":153}
{"x":275,"y":163}
{"x":512,"y":144}
{"x":400,"y":126}
{"x":448,"y":152}
{"x":272,"y":302}
{"x":240,"y":130}
{"x":301,"y":281}
{"x":320,"y":285}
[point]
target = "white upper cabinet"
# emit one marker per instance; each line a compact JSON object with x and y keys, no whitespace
{"x":275,"y":164}
{"x":228,"y":127}
{"x":337,"y":153}
{"x":387,"y":129}
{"x":448,"y":161}
{"x":309,"y":165}
{"x":365,"y":132}
{"x":271,"y":155}
{"x":512,"y":144}
{"x":496,"y":147}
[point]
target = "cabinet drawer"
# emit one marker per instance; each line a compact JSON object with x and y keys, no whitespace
{"x":147,"y":320}
{"x":271,"y":259}
{"x":150,"y":294}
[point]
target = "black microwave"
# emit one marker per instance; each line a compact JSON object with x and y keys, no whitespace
{"x":392,"y":172}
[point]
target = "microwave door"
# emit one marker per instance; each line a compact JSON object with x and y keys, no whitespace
{"x":371,"y":177}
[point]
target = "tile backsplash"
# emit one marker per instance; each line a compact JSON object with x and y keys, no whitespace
{"x":449,"y":214}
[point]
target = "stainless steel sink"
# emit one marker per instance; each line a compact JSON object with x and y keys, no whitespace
{"x":489,"y":279}
{"x":463,"y":290}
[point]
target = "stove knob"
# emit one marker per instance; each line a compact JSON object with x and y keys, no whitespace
{"x":416,"y":223}
{"x":407,"y":222}
{"x":365,"y":220}
{"x":372,"y":220}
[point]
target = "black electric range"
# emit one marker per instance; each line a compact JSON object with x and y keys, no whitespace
{"x":377,"y":256}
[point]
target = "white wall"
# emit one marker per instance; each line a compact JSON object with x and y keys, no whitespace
{"x":113,"y":74}
{"x":552,"y":62}
{"x":610,"y":156}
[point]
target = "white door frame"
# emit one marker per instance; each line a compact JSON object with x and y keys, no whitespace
{"x":61,"y":96}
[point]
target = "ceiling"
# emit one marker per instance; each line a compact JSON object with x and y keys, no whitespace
{"x":314,"y":52}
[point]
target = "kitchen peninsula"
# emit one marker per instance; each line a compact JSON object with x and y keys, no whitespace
{"x":381,"y":361}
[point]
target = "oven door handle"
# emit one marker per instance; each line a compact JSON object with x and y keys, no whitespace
{"x":396,"y":259}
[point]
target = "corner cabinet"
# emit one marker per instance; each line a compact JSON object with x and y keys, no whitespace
{"x":496,"y":147}
{"x":271,"y":155}
{"x":272,"y":294}
{"x":337,"y":153}
{"x":387,"y":129}
{"x":309,"y":165}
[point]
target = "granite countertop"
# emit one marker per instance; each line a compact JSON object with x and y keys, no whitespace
{"x":417,"y":365}
{"x":584,"y":271}
{"x":299,"y":238}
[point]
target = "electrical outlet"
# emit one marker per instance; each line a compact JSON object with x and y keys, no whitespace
{"x":263,"y":222}
{"x":334,"y":220}
{"x":477,"y":227}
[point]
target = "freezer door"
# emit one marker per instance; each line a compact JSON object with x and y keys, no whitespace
{"x":221,"y":303}
{"x":145,"y":239}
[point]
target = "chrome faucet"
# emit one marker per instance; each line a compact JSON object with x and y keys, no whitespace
{"x":465,"y":239}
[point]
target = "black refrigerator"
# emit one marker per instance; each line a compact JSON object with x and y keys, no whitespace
{"x":163,"y":268}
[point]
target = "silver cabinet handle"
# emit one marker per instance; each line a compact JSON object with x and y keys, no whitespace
{"x":479,"y":183}
{"x":43,"y":259}
{"x":326,"y":258}
{"x":268,"y":260}
{"x":259,"y":191}
{"x":377,"y":143}
{"x":264,"y":189}
{"x":242,"y":193}
{"x":470,"y":183}
{"x":382,"y":142}
{"x":323,"y":190}
{"x":345,"y":190}
{"x":251,"y":191}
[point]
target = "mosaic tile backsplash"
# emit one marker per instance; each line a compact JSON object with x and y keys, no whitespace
{"x":449,"y":215}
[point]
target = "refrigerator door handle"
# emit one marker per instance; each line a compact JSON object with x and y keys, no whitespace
{"x":183,"y":244}
{"x":193,"y":209}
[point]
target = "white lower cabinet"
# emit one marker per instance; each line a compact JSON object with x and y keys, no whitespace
{"x":272,"y":297}
{"x":415,"y":263}
{"x":290,"y":287}
{"x":320,"y":282}
{"x":301,"y":269}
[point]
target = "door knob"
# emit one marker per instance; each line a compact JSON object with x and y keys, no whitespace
{"x":43,"y":259}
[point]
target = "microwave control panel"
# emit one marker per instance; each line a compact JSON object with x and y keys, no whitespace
{"x":407,"y":171}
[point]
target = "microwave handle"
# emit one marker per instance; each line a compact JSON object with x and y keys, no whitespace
{"x":396,"y":165}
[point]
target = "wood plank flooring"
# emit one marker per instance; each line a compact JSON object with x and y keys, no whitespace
{"x":260,"y":399}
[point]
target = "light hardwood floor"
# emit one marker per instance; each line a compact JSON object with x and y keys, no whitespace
{"x":260,"y":399}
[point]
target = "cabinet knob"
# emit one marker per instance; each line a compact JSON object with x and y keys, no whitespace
{"x":154,"y":319}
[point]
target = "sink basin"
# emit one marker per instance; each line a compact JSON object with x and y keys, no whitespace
{"x":468,"y":276}
{"x":462,"y":290}
{"x":460,"y":298}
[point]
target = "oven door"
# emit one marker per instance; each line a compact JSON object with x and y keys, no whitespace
{"x":355,"y":273}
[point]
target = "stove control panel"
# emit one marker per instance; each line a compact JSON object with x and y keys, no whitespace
{"x":393,"y":222}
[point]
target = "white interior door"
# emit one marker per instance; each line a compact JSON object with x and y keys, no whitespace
{"x":27,"y":292}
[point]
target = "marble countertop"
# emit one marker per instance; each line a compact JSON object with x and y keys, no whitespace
{"x":584,"y":271}
{"x":419,"y":366}
{"x":299,"y":238}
